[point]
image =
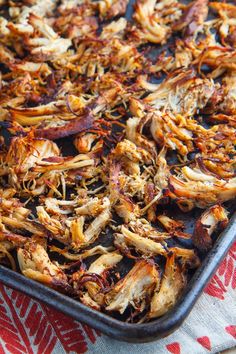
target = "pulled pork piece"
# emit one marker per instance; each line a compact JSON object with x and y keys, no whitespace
{"x":46,"y":42}
{"x":93,"y":207}
{"x":63,"y":163}
{"x":128,"y":150}
{"x":167,"y":294}
{"x":134,"y":289}
{"x":154,"y":19}
{"x":82,"y":238}
{"x":86,"y":142}
{"x":181,"y":92}
{"x":52,"y":224}
{"x":61,"y":131}
{"x":148,"y":247}
{"x":8,"y":242}
{"x":227,"y":29}
{"x":143,"y":228}
{"x":115,"y":29}
{"x":80,"y":256}
{"x":40,"y":7}
{"x":174,"y":227}
{"x":76,"y":20}
{"x":112,"y":8}
{"x":200,"y":190}
{"x":174,"y":132}
{"x":213,"y":218}
{"x":53,"y":120}
{"x":141,"y":244}
{"x":34,"y":164}
{"x":193,"y":17}
{"x":126,"y":180}
{"x":227,"y":105}
{"x":99,"y":268}
{"x":135,"y":127}
{"x":170,"y":224}
{"x":26,"y":152}
{"x":163,"y":170}
{"x":77,"y":231}
{"x":35,"y":264}
{"x":14,"y":216}
{"x":12,"y":240}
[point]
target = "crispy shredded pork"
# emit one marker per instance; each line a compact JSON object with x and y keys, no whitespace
{"x":118,"y":128}
{"x":168,"y":292}
{"x":35,"y":264}
{"x":155,"y":19}
{"x":193,"y":17}
{"x":112,"y":8}
{"x":134,"y":289}
{"x":99,"y":268}
{"x":213,"y":218}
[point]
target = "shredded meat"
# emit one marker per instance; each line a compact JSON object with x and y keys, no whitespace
{"x":116,"y":128}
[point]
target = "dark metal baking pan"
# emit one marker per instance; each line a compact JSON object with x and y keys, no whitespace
{"x":136,"y":333}
{"x":117,"y":328}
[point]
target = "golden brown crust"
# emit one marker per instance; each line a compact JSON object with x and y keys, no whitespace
{"x":194,"y":16}
{"x":212,"y":219}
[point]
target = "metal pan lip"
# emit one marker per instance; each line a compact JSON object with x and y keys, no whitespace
{"x":134,"y":333}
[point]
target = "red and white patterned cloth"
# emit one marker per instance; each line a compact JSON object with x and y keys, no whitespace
{"x":29,"y":327}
